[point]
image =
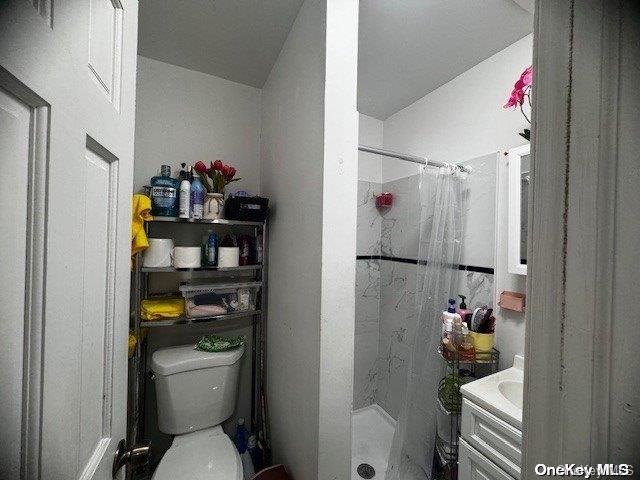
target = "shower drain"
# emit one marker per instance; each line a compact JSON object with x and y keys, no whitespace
{"x":366,"y":471}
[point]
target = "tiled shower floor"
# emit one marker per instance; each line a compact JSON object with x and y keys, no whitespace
{"x":371,"y":437}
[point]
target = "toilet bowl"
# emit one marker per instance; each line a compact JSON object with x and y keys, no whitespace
{"x":195,"y":392}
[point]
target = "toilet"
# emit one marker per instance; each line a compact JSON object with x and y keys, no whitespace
{"x":196,"y":391}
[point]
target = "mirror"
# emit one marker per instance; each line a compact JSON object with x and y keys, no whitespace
{"x":519,"y":184}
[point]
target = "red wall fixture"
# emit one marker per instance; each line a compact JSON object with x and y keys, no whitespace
{"x":384,"y":200}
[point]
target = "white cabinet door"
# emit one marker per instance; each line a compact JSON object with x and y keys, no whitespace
{"x":472,"y":465}
{"x":67,"y":99}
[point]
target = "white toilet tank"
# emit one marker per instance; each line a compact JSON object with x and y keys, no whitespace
{"x":194,"y":389}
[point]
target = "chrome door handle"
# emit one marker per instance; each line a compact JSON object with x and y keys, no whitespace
{"x":134,"y":456}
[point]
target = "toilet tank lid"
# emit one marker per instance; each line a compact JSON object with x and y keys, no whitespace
{"x":168,"y":361}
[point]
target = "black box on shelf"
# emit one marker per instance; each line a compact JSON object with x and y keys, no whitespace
{"x":247,"y":209}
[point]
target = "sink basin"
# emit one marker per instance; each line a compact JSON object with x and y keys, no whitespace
{"x":512,"y":391}
{"x":500,"y":394}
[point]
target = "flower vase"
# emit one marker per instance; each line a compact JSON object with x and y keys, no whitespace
{"x":213,"y":206}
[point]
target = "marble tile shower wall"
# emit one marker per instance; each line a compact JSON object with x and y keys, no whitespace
{"x":385,"y":286}
{"x":367,"y":297}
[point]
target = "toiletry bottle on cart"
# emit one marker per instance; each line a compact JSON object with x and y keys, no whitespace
{"x":197,"y":198}
{"x":466,"y":350}
{"x":462,"y":310}
{"x":185,"y":195}
{"x":164,"y":194}
{"x":452,"y":306}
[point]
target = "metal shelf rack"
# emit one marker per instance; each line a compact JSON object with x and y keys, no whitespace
{"x":449,"y":405}
{"x":140,"y":291}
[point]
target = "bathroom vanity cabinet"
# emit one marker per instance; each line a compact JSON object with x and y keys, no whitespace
{"x":488,"y":445}
{"x":491,"y":426}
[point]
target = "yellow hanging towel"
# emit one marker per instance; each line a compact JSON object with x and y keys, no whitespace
{"x":141,"y":210}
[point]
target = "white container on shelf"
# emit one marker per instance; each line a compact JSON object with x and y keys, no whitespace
{"x":159,"y":254}
{"x":234,"y":297}
{"x":228,"y":257}
{"x":187,"y":257}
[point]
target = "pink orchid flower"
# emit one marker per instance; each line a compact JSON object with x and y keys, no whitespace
{"x":519,"y":89}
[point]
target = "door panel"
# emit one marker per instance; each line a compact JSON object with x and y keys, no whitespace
{"x":105,"y":42}
{"x":15,"y":120}
{"x":100,"y":177}
{"x":72,"y":65}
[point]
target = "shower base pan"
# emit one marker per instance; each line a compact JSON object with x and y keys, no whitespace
{"x":371,"y":437}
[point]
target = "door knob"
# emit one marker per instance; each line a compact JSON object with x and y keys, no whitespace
{"x":134,"y":456}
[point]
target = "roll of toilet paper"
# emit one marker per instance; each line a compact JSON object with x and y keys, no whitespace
{"x":186,"y":257}
{"x":228,"y":257}
{"x":159,"y":253}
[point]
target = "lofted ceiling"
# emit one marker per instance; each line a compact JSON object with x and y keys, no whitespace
{"x":239,"y":40}
{"x":407,"y":48}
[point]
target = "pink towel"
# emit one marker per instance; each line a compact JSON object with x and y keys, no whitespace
{"x":194,"y":310}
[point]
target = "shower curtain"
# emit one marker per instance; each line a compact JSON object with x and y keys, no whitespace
{"x":441,"y":197}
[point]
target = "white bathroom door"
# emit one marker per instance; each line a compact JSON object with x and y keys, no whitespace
{"x":67,"y":96}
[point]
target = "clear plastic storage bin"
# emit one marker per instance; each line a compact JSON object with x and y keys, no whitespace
{"x":211,"y":300}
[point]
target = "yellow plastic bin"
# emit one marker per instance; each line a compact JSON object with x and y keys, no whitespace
{"x":483,"y":342}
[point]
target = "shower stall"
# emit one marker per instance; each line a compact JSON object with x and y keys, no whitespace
{"x":409,"y":246}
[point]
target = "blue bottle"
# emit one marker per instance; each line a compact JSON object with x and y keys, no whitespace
{"x":452,"y":306}
{"x":242,"y":436}
{"x":212,"y":249}
{"x":164,"y":194}
{"x":197,"y":198}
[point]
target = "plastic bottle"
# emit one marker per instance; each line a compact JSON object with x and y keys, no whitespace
{"x":248,"y":470}
{"x":449,"y":349}
{"x":462,"y":310}
{"x":255,"y":452}
{"x":466,"y":350}
{"x":185,"y":196}
{"x":164,"y":194}
{"x":242,"y":436}
{"x":212,"y":248}
{"x":197,"y":198}
{"x":446,"y":318}
{"x":452,"y":306}
{"x":457,"y":329}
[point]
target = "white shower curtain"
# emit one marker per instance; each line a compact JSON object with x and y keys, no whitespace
{"x":439,"y":248}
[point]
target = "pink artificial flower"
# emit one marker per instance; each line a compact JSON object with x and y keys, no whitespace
{"x":517,"y":94}
{"x":516,"y":98}
{"x":527,"y":77}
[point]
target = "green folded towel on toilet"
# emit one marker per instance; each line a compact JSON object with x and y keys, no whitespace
{"x":216,"y":343}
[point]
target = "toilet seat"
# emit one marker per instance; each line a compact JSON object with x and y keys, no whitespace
{"x":207,"y":454}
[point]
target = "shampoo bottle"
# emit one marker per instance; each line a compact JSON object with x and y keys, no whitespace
{"x":197,"y":198}
{"x":185,"y":195}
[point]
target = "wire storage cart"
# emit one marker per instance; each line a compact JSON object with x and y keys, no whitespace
{"x":249,"y":277}
{"x":457,"y":372}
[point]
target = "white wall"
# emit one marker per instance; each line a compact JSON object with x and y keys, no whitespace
{"x":308,"y":169}
{"x":186,"y":116}
{"x":370,"y":134}
{"x":292,"y":155}
{"x":339,"y":219}
{"x":464,"y":118}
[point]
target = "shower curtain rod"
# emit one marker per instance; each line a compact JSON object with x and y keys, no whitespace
{"x":409,"y":158}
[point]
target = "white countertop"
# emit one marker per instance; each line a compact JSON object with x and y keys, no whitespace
{"x":486,"y":393}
